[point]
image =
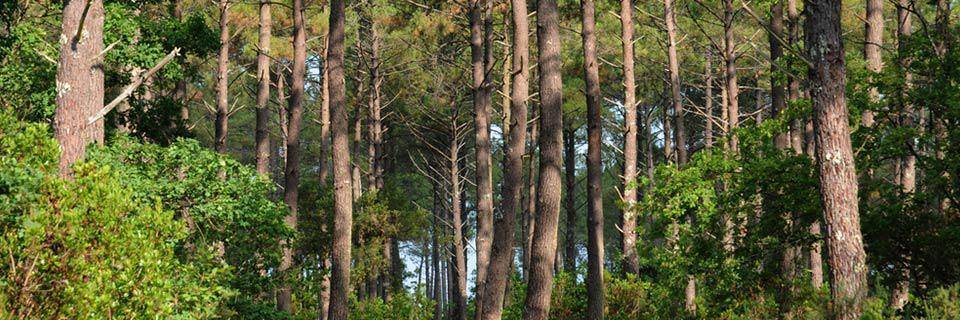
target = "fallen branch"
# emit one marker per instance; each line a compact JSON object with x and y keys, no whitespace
{"x":133,"y":86}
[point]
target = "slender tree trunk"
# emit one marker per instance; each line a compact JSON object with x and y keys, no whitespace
{"x":79,"y":81}
{"x":908,"y":163}
{"x":435,"y":252}
{"x":674,"y":66}
{"x":291,"y":171}
{"x":262,"y":136}
{"x":502,"y":254}
{"x":323,"y":154}
{"x":343,"y":202}
{"x":667,"y":120}
{"x":531,"y":203}
{"x":458,"y":264}
{"x":374,"y":121}
{"x":223,"y":81}
{"x":790,"y":253}
{"x":595,"y":256}
{"x":871,"y":50}
{"x":838,"y":176}
{"x":570,"y":199}
{"x":730,"y":58}
{"x":357,"y":142}
{"x":708,"y":101}
{"x":481,"y":108}
{"x":544,"y":245}
{"x":628,"y":218}
{"x":793,"y":37}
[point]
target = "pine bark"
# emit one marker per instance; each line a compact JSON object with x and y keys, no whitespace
{"x":223,"y":81}
{"x":458,"y":262}
{"x":79,"y":81}
{"x":502,"y":252}
{"x":628,"y":219}
{"x":530,"y":206}
{"x":324,"y":153}
{"x":730,"y":58}
{"x":291,"y":172}
{"x":262,"y":136}
{"x":343,"y":202}
{"x":544,"y":244}
{"x":838,"y":176}
{"x":708,"y":100}
{"x":479,"y":49}
{"x":680,"y":140}
{"x":570,"y":199}
{"x":872,"y":49}
{"x":595,"y":254}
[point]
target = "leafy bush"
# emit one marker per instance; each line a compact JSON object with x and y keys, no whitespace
{"x":140,"y":231}
{"x":87,"y":248}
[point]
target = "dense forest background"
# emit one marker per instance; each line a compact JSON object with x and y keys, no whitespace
{"x":488,"y":159}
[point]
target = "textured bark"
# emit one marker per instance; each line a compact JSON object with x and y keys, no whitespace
{"x":531,"y":198}
{"x":838,"y":176}
{"x":291,"y":172}
{"x":262,"y":136}
{"x":708,"y":104}
{"x":323,"y":153}
{"x":628,"y":218}
{"x":680,"y":139}
{"x":79,"y":81}
{"x":730,"y":58}
{"x":544,"y":245}
{"x":595,"y":256}
{"x":481,"y":108}
{"x":223,"y":84}
{"x":374,"y":120}
{"x":793,"y":37}
{"x":343,"y":202}
{"x":570,"y":199}
{"x":458,"y":261}
{"x":502,"y":252}
{"x":778,"y":102}
{"x":871,"y":50}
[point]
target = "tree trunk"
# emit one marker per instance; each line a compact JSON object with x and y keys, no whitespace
{"x":628,"y":218}
{"x":79,"y":81}
{"x":375,"y":122}
{"x":730,"y":58}
{"x":223,"y":81}
{"x":908,"y":163}
{"x":531,"y":203}
{"x":481,"y":109}
{"x":262,"y":137}
{"x":323,"y":153}
{"x":458,"y":264}
{"x":343,"y":202}
{"x":680,"y":139}
{"x":838,"y":175}
{"x":502,"y":254}
{"x":291,"y":171}
{"x":570,"y":199}
{"x":708,"y":101}
{"x":595,"y":256}
{"x":797,"y":125}
{"x":544,"y":245}
{"x":871,"y":50}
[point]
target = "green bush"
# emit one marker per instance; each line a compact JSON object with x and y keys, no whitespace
{"x":139,"y":232}
{"x":86,"y":248}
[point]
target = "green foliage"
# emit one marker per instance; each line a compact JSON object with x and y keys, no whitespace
{"x":86,"y":248}
{"x":402,"y":306}
{"x":226,"y":205}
